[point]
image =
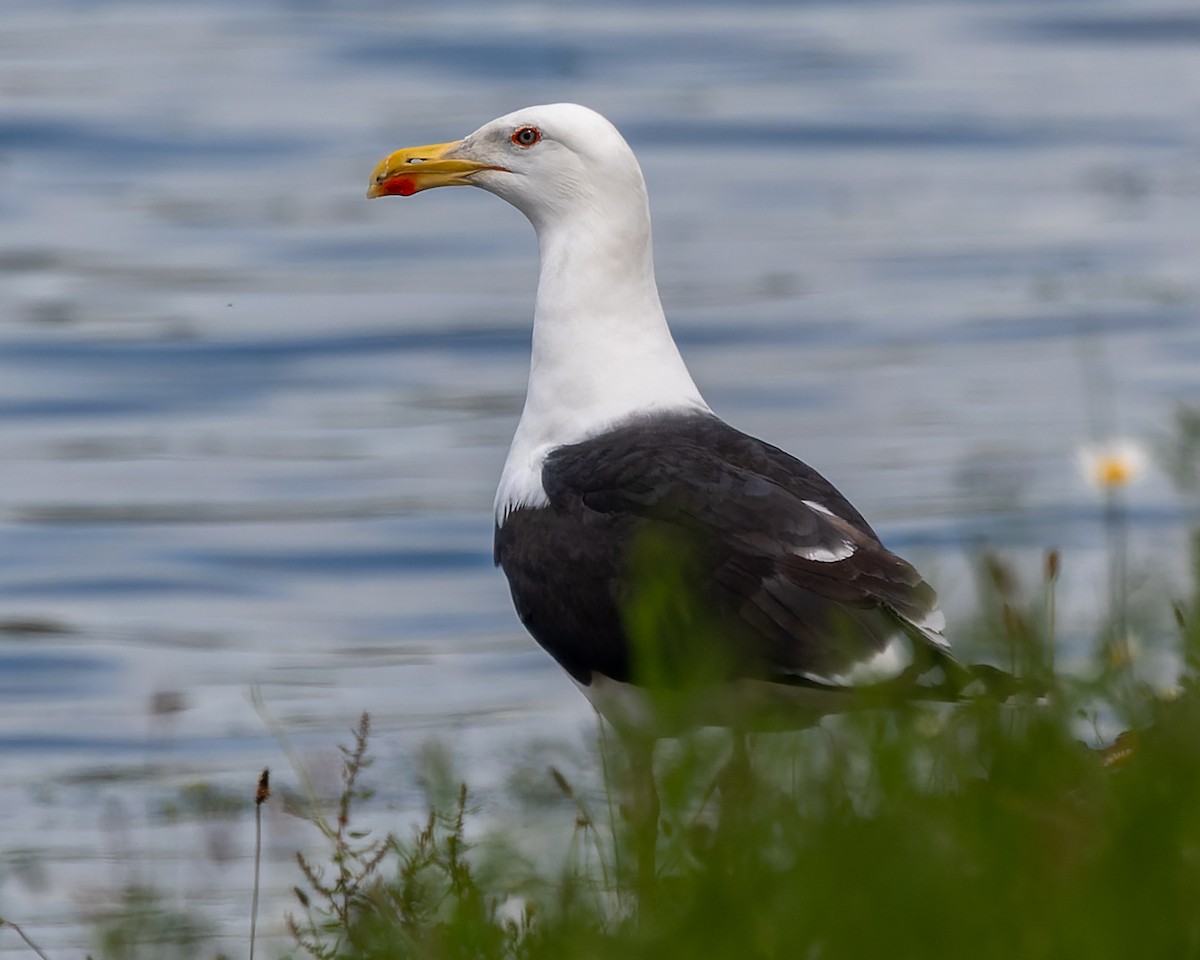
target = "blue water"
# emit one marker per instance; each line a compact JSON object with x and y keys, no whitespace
{"x":250,"y":423}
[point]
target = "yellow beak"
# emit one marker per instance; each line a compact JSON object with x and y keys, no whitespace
{"x":414,"y":169}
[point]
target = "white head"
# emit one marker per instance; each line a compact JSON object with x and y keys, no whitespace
{"x":548,"y":161}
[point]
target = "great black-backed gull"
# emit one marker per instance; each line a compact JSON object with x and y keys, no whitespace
{"x":621,"y":484}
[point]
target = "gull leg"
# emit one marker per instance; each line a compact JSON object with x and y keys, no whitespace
{"x":736,"y":775}
{"x":643,"y":812}
{"x":735,"y":782}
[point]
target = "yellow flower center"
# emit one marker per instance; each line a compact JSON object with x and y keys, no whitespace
{"x":1113,"y":471}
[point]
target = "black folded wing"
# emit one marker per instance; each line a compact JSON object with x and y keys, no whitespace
{"x":794,"y":583}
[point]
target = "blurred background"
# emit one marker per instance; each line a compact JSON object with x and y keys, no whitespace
{"x":251,"y":424}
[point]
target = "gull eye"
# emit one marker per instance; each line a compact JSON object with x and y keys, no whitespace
{"x":526,"y":136}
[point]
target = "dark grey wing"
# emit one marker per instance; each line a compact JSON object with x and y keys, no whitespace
{"x":795,"y":575}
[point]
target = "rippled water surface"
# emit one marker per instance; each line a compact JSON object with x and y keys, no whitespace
{"x":250,"y":423}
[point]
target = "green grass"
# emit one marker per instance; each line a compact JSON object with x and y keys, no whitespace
{"x":984,"y":829}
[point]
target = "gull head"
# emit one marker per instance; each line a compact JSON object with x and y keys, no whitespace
{"x":549,"y":161}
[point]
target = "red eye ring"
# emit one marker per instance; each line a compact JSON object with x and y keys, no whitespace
{"x":526,"y":136}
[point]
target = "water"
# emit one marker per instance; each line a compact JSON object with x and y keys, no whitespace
{"x":250,"y":424}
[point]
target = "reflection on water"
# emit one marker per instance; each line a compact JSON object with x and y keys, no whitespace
{"x":251,"y":423}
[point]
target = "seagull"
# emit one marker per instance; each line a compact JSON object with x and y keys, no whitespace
{"x":652,"y":549}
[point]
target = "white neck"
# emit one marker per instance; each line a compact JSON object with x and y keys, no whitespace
{"x":602,"y":351}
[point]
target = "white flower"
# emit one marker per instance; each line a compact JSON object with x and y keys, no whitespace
{"x":1113,"y":464}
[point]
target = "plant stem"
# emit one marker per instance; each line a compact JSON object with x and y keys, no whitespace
{"x":21,"y":933}
{"x":261,"y":793}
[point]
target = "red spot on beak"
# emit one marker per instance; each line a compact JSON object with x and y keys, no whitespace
{"x":398,"y":186}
